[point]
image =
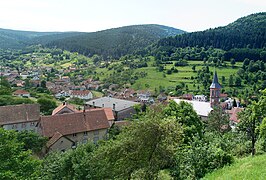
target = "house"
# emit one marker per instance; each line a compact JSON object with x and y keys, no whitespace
{"x":200,"y":98}
{"x":20,"y":117}
{"x":187,"y":96}
{"x":66,"y":131}
{"x":233,"y":115}
{"x":21,"y":93}
{"x":145,"y":97}
{"x":121,"y":108}
{"x":162,"y":97}
{"x":85,"y":94}
{"x":62,"y":94}
{"x":64,"y":108}
{"x":65,"y":78}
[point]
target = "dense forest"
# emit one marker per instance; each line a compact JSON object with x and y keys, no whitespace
{"x":116,"y":42}
{"x":246,"y":32}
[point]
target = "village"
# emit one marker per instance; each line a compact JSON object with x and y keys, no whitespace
{"x":69,"y":125}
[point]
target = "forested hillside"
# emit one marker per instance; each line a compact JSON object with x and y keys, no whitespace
{"x":249,"y":31}
{"x":14,"y":39}
{"x":116,"y":42}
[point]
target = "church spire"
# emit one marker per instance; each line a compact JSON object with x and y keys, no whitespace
{"x":215,"y":84}
{"x":215,"y":91}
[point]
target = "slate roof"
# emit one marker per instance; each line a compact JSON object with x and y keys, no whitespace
{"x":66,"y":124}
{"x":202,"y":108}
{"x":120,"y":104}
{"x":215,"y":84}
{"x":19,"y":113}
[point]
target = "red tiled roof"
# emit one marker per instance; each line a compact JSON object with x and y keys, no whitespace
{"x":20,"y":91}
{"x":62,"y":106}
{"x":233,"y":114}
{"x":73,"y":123}
{"x":19,"y":113}
{"x":80,"y":93}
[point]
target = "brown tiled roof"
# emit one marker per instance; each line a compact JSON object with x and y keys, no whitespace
{"x":55,"y":137}
{"x":73,"y":123}
{"x":62,"y":106}
{"x":20,"y":91}
{"x":122,"y":123}
{"x":80,"y":93}
{"x":233,"y":113}
{"x":19,"y":113}
{"x":222,"y":95}
{"x":108,"y":112}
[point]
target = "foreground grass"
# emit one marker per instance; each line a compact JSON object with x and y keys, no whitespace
{"x":246,"y":168}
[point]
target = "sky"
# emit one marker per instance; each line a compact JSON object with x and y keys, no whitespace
{"x":96,"y":15}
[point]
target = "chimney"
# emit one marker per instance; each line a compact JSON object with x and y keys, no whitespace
{"x":114,"y":106}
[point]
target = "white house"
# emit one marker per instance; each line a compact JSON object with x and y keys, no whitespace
{"x":85,"y":94}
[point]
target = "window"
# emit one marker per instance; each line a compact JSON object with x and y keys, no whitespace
{"x":85,"y":133}
{"x":23,"y":125}
{"x":14,"y":126}
{"x":74,"y":145}
{"x":74,"y":135}
{"x":32,"y":124}
{"x":96,"y":132}
{"x":95,"y":140}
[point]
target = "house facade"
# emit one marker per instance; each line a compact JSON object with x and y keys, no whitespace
{"x":85,"y":94}
{"x":21,"y":93}
{"x":20,"y":117}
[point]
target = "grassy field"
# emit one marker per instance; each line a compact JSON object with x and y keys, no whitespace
{"x":154,"y":78}
{"x":246,"y":168}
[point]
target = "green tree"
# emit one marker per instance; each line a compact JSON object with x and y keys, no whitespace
{"x":251,"y":118}
{"x":32,"y":141}
{"x":16,"y":163}
{"x":231,"y":81}
{"x":46,"y":105}
{"x":218,"y":121}
{"x":238,"y":81}
{"x":194,"y":68}
{"x":68,"y":165}
{"x":43,"y":84}
{"x":184,"y":114}
{"x":141,"y":150}
{"x":233,"y":62}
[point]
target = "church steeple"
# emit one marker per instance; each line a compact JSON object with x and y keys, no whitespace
{"x":215,"y":91}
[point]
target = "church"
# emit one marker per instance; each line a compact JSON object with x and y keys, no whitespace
{"x":204,"y":108}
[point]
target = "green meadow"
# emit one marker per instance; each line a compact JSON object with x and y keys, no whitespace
{"x":246,"y":168}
